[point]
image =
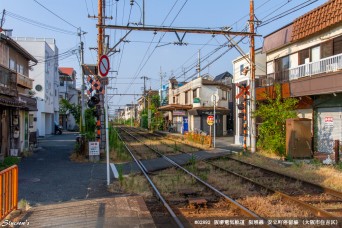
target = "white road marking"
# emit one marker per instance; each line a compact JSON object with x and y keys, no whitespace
{"x":115,"y":171}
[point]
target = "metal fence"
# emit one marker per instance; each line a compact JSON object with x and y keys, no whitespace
{"x":8,"y":191}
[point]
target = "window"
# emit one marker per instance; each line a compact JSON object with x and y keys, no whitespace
{"x":174,"y":100}
{"x":61,"y":83}
{"x":327,"y":49}
{"x":194,"y":93}
{"x":186,"y":97}
{"x":315,"y":54}
{"x":281,"y":69}
{"x":338,"y":45}
{"x":12,"y":64}
{"x":20,"y":68}
{"x":303,"y":56}
{"x":242,"y":66}
{"x":31,"y":121}
{"x":224,"y":95}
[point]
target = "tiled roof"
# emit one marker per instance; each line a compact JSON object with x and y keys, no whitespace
{"x":318,"y":19}
{"x":66,"y":70}
{"x":222,"y":76}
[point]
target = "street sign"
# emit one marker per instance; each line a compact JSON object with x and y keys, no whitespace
{"x":104,"y":65}
{"x":94,"y":148}
{"x":210,"y":120}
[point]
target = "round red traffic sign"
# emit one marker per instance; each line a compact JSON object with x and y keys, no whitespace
{"x":104,"y":65}
{"x":210,"y":120}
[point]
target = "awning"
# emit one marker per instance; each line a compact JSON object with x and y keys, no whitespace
{"x":11,"y":102}
{"x":198,"y":111}
{"x":30,"y":102}
{"x":172,"y":107}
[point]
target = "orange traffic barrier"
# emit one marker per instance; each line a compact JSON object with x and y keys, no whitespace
{"x":8,"y":191}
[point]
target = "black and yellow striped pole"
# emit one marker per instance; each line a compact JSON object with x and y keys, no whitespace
{"x":244,"y":119}
{"x":244,"y":91}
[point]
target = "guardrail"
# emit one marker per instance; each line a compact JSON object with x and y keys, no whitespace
{"x":8,"y":191}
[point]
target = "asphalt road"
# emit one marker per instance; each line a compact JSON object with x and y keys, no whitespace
{"x":48,"y":176}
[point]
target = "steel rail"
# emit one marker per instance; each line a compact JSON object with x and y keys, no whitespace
{"x":317,"y":211}
{"x":143,"y":168}
{"x":322,"y":188}
{"x":244,"y":210}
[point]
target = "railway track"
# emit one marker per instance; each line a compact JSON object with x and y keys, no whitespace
{"x":317,"y":196}
{"x":320,"y":201}
{"x":183,"y":205}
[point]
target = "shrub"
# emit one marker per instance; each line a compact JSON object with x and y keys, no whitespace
{"x":274,"y":112}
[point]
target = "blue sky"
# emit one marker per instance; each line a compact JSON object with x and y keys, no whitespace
{"x":143,"y":55}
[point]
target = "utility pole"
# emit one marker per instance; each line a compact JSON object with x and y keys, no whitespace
{"x":199,"y":63}
{"x":2,"y":18}
{"x":82,"y":84}
{"x":145,"y":78}
{"x":132,"y":115}
{"x":161,"y":86}
{"x":252,"y":67}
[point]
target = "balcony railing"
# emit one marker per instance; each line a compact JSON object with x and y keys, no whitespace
{"x":24,"y":81}
{"x":329,"y":64}
{"x":326,"y":65}
{"x":270,"y":79}
{"x":8,"y":84}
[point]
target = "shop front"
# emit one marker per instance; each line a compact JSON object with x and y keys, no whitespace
{"x":198,"y":118}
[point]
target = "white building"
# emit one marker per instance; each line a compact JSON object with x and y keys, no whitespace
{"x":241,"y":75}
{"x":190,"y":104}
{"x":46,"y":81}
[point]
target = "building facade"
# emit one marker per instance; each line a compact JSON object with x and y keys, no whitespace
{"x":305,"y":57}
{"x":68,"y":91}
{"x":46,"y":81}
{"x":241,"y":75}
{"x":191,"y":103}
{"x":15,"y":97}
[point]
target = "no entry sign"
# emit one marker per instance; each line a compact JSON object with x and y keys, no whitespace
{"x":104,"y":65}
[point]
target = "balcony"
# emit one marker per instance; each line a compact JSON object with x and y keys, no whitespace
{"x":8,"y":82}
{"x":321,"y":77}
{"x":24,"y":81}
{"x":326,"y":65}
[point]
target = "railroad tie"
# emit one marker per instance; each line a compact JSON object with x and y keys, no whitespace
{"x":197,"y":204}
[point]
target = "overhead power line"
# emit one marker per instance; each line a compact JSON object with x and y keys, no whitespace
{"x":39,"y":24}
{"x":55,"y":14}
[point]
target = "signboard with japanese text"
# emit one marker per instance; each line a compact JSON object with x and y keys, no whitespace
{"x":328,"y":121}
{"x":179,"y":113}
{"x":94,"y":148}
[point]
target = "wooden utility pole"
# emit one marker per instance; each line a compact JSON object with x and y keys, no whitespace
{"x":252,"y":129}
{"x":100,"y":31}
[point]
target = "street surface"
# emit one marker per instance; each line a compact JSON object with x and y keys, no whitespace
{"x":49,"y":176}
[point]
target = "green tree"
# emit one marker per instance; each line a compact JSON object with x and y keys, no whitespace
{"x":273,"y":113}
{"x":74,"y":109}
